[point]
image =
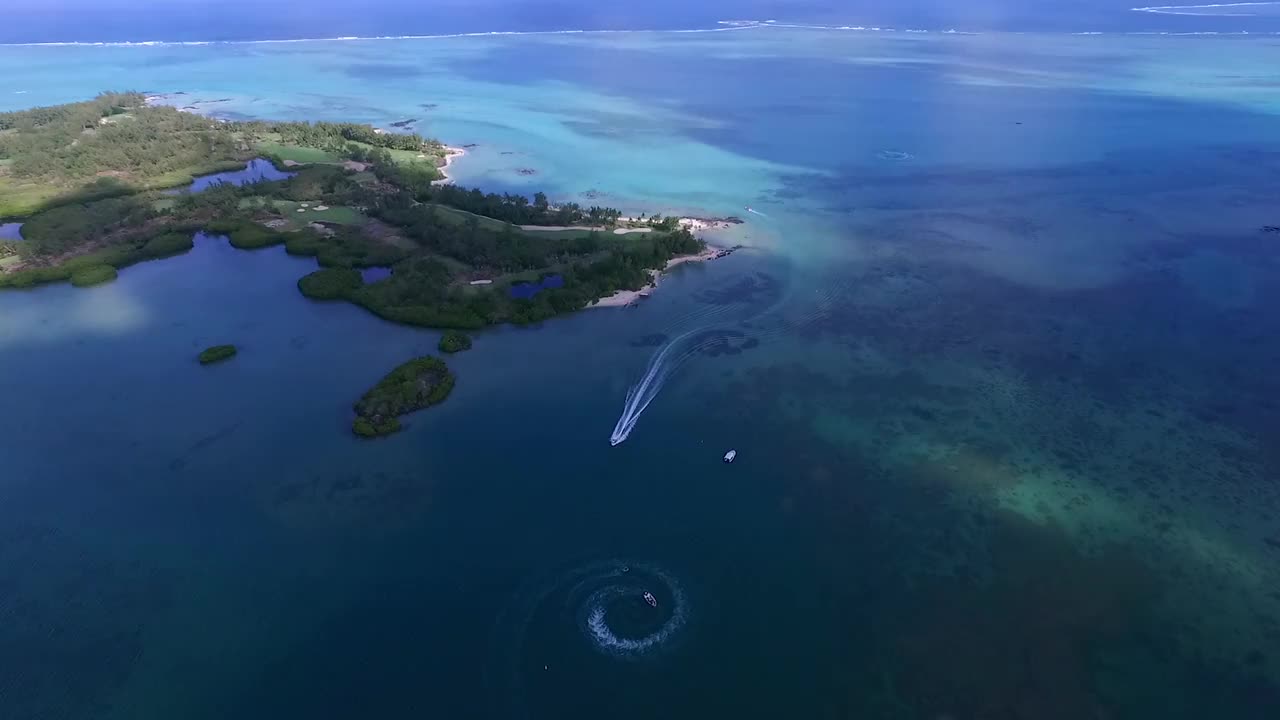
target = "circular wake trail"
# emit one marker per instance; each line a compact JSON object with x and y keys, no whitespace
{"x":618,"y":611}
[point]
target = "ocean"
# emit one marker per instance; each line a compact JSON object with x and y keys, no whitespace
{"x":997,"y":358}
{"x":92,"y":21}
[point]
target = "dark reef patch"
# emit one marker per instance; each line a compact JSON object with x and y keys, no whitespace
{"x":755,"y":289}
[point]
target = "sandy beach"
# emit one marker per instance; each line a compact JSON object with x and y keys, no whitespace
{"x":450,"y":154}
{"x":624,"y":298}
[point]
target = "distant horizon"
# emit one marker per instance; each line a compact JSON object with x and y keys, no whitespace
{"x":122,"y":21}
{"x":722,"y":26}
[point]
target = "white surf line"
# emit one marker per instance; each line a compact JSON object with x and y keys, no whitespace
{"x":1182,"y":9}
{"x":725,"y":26}
{"x":366,"y":38}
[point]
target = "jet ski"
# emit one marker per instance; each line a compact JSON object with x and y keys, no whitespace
{"x":649,"y":598}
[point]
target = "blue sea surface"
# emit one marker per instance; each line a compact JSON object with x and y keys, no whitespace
{"x":997,"y":356}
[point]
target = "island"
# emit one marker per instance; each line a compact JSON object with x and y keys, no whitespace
{"x":454,"y":342}
{"x":217,"y":353}
{"x":417,"y":384}
{"x":107,"y":183}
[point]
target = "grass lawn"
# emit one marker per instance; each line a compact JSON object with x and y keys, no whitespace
{"x":460,"y":217}
{"x":296,"y":153}
{"x":404,"y":156}
{"x":6,"y":262}
{"x":338,"y":215}
{"x":20,"y":199}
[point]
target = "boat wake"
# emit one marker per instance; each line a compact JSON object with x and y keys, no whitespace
{"x":601,"y":608}
{"x":895,"y":155}
{"x":642,"y":393}
{"x":722,"y":328}
{"x":664,"y":362}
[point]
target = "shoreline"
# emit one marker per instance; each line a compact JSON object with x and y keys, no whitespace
{"x":450,"y":154}
{"x":629,"y":298}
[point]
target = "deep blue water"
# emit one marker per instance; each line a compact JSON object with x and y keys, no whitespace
{"x":526,"y":291}
{"x":1004,"y":402}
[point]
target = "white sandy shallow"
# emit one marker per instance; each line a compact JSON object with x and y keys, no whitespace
{"x":625,"y":298}
{"x":450,"y":154}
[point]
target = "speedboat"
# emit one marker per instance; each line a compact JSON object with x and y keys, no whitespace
{"x":649,"y":598}
{"x":729,"y":456}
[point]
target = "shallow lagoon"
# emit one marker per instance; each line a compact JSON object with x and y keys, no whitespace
{"x":1002,"y":401}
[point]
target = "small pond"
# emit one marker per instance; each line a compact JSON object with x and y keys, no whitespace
{"x":257,"y":170}
{"x":372,"y":275}
{"x":11,"y":231}
{"x":525,"y":291}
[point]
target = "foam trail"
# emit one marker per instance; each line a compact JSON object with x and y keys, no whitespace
{"x":643,"y":392}
{"x":757,"y":212}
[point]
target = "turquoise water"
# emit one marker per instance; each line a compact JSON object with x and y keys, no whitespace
{"x":998,"y":359}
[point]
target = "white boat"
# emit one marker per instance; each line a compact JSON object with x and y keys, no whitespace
{"x":729,"y":456}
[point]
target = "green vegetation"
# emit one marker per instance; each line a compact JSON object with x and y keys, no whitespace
{"x":366,"y":428}
{"x":417,"y":384}
{"x":300,"y":217}
{"x":330,"y":284}
{"x":246,"y":235}
{"x":435,"y":238}
{"x":62,"y":150}
{"x":337,"y":137}
{"x":453,"y":341}
{"x":62,"y":229}
{"x":280,"y":152}
{"x":514,"y":209}
{"x":93,"y":275}
{"x":118,"y":145}
{"x":217,"y":353}
{"x":133,"y":249}
{"x":169,"y":244}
